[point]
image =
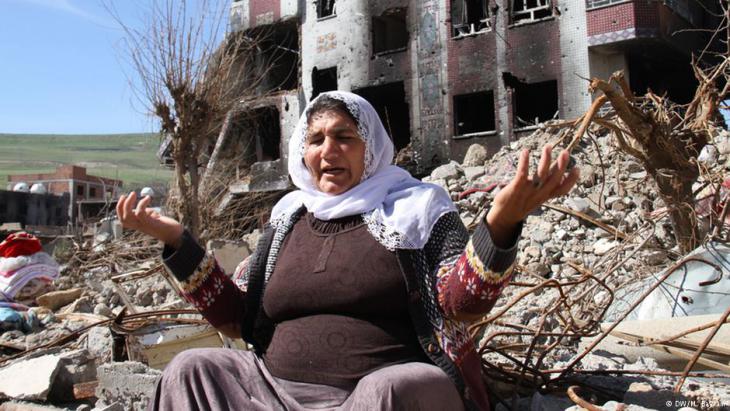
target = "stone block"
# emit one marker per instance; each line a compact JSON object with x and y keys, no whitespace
{"x":77,"y":366}
{"x":476,"y":155}
{"x":446,"y":172}
{"x":129,"y":383}
{"x":57,"y":299}
{"x":30,"y":379}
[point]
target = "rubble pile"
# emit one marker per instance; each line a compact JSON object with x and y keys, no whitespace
{"x":105,"y":322}
{"x":67,"y":321}
{"x":577,"y":255}
{"x":90,"y":323}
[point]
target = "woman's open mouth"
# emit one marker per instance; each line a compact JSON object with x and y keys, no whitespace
{"x":333,"y":171}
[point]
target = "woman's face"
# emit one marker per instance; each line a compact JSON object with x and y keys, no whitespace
{"x":334,"y":153}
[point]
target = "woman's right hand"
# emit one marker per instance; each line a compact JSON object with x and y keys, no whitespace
{"x":148,"y":221}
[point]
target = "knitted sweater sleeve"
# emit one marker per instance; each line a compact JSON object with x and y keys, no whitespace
{"x":206,"y":286}
{"x":471,"y":272}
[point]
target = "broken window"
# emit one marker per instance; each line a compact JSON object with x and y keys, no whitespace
{"x":389,"y":31}
{"x":80,"y":190}
{"x":274,"y":65}
{"x":534,"y":103}
{"x":594,"y":4}
{"x":530,"y":10}
{"x":325,"y":8}
{"x":389,"y":100}
{"x":92,"y":192}
{"x":469,"y":17}
{"x":268,"y":133}
{"x":474,"y":113}
{"x":277,"y":57}
{"x":323,"y":80}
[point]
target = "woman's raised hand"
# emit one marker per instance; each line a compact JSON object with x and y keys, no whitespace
{"x":525,"y":193}
{"x":147,"y":221}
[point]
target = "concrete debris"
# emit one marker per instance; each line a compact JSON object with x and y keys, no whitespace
{"x":99,"y":343}
{"x":475,"y":156}
{"x":29,"y":406}
{"x":611,"y":227}
{"x":30,"y":379}
{"x":450,"y":171}
{"x":57,"y":299}
{"x":48,"y":377}
{"x":80,"y":305}
{"x":103,"y":309}
{"x":76,"y":367}
{"x":130,"y":384}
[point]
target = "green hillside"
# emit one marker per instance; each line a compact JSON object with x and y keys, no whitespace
{"x":128,"y":157}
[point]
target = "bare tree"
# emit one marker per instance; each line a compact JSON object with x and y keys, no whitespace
{"x":667,"y":137}
{"x":191,"y":73}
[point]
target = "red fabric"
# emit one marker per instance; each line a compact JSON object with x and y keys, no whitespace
{"x":19,"y":244}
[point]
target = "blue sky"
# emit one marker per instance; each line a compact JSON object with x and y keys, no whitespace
{"x":63,"y":70}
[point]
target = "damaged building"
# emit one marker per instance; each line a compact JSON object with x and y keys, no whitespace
{"x":84,"y":196}
{"x":444,"y":75}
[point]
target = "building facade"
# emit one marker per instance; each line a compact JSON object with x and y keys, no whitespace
{"x":72,"y":181}
{"x":33,"y":209}
{"x":445,"y":74}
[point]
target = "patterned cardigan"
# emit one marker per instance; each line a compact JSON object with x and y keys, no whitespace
{"x":451,"y":280}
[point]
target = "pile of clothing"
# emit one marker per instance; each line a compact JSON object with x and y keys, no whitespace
{"x":26,"y":271}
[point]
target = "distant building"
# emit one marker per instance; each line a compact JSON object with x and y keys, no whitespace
{"x":444,"y":74}
{"x":33,"y":209}
{"x":87,"y":194}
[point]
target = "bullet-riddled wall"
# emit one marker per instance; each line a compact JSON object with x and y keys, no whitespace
{"x":339,"y":42}
{"x":445,"y":74}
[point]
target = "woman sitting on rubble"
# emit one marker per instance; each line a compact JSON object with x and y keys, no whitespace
{"x":361,"y":288}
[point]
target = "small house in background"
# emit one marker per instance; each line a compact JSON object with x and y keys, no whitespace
{"x":87,"y":196}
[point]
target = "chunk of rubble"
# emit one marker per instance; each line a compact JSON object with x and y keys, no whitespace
{"x":99,"y":342}
{"x":129,"y":383}
{"x":57,"y":299}
{"x":30,"y":379}
{"x":476,"y":155}
{"x":447,"y":172}
{"x":48,"y":377}
{"x":28,"y":406}
{"x":76,"y":367}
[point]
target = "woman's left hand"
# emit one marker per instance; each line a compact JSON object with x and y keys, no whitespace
{"x":524,"y":193}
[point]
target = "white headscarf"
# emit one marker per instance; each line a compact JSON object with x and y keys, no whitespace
{"x":400,"y":211}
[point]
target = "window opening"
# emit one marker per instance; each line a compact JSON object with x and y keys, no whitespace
{"x":389,"y":100}
{"x":390,"y":32}
{"x":593,"y":4}
{"x":474,"y":113}
{"x":469,"y":17}
{"x":534,"y":103}
{"x":276,"y":60}
{"x":80,"y":190}
{"x":530,"y":10}
{"x":92,"y":192}
{"x":268,"y":133}
{"x":323,"y":80}
{"x":325,"y":8}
